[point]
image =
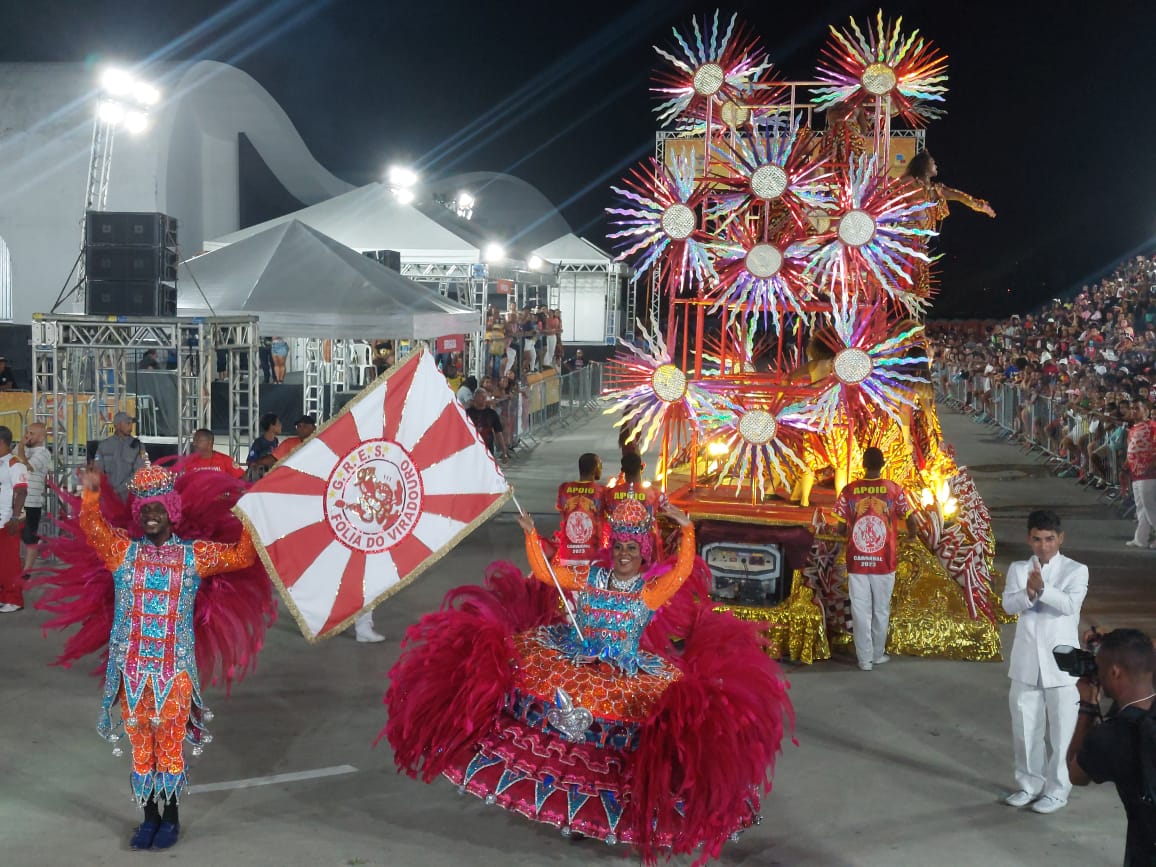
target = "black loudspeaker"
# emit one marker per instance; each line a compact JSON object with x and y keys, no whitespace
{"x":130,"y":298}
{"x":389,"y":258}
{"x":130,"y":229}
{"x":147,"y":264}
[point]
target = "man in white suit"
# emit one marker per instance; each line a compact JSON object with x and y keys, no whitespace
{"x":1046,"y":592}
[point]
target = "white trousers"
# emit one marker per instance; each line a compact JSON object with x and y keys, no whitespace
{"x":530,"y":349}
{"x":511,"y":360}
{"x":1036,"y":711}
{"x":1144,"y":493}
{"x":551,"y":345}
{"x":870,"y":613}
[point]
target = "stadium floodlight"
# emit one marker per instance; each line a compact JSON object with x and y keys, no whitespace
{"x":110,"y":112}
{"x":494,"y":253}
{"x":116,"y":82}
{"x":145,"y":94}
{"x":534,"y":263}
{"x":402,"y":177}
{"x":465,"y":201}
{"x":135,"y":121}
{"x":404,"y":195}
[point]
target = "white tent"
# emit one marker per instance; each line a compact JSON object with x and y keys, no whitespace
{"x":572,"y":250}
{"x":302,"y":283}
{"x":371,"y":218}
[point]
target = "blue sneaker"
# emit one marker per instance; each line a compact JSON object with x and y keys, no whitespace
{"x":143,"y":836}
{"x":167,"y":835}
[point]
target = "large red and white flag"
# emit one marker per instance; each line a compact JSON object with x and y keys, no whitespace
{"x":373,"y":499}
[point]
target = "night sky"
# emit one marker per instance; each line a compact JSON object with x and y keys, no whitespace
{"x":1050,"y":113}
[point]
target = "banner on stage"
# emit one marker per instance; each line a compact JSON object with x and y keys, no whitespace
{"x":373,"y":499}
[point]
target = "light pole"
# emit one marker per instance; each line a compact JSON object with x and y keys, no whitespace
{"x":124,"y":101}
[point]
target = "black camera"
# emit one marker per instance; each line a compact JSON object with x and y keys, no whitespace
{"x":1075,"y":661}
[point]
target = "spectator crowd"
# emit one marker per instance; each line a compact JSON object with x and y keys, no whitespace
{"x":1072,"y":379}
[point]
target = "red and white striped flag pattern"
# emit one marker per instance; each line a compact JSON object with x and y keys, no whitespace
{"x":372,"y":499}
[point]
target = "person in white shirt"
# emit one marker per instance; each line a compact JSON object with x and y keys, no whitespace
{"x":1047,"y":593}
{"x":37,"y":462}
{"x":466,"y":390}
{"x":13,"y":489}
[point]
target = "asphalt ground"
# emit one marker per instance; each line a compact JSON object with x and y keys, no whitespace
{"x":905,"y":765}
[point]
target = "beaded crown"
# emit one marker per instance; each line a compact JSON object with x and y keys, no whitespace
{"x":152,"y":481}
{"x":631,"y":517}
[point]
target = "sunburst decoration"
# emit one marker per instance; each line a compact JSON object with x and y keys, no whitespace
{"x":764,"y":443}
{"x":875,"y":230}
{"x":663,"y":219}
{"x":783,"y":167}
{"x":651,"y":391}
{"x":873,"y":368}
{"x":883,"y":64}
{"x":724,"y":67}
{"x":758,"y":277}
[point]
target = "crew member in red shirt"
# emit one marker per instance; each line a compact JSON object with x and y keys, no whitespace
{"x":870,"y":507}
{"x":580,"y":504}
{"x":205,"y":457}
{"x":304,"y":426}
{"x":1142,"y":466}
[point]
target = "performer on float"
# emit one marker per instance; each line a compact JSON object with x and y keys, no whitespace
{"x":147,"y":610}
{"x":921,"y":173}
{"x":596,"y":725}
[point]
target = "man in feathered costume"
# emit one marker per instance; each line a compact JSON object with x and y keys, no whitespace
{"x":154,"y":600}
{"x":600,"y":725}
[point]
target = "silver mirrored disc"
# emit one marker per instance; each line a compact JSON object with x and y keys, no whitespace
{"x":708,"y":79}
{"x":764,"y":260}
{"x":852,"y":366}
{"x":856,"y":228}
{"x":757,"y":427}
{"x":678,"y":222}
{"x":878,"y":79}
{"x":768,"y":182}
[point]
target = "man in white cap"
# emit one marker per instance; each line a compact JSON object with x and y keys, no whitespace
{"x":121,"y":455}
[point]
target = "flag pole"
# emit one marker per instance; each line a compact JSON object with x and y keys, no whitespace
{"x":561,"y":593}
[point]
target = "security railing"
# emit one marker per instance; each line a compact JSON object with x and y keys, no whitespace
{"x":1072,"y":441}
{"x":542,"y":407}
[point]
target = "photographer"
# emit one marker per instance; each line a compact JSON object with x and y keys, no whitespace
{"x":1111,"y":751}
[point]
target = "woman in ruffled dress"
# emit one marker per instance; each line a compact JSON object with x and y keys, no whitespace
{"x":645,"y":718}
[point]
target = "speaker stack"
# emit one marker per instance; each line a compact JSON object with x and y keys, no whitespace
{"x":130,"y":262}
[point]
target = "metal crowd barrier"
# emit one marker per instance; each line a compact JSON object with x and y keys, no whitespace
{"x":1071,"y":442}
{"x":542,"y":408}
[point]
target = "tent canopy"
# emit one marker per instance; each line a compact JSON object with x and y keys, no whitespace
{"x":302,"y":283}
{"x":371,"y":218}
{"x":572,"y":250}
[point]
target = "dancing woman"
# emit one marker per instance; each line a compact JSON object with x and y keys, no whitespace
{"x":597,"y":726}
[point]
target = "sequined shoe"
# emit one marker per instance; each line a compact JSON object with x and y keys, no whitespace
{"x":143,"y":836}
{"x":167,"y":835}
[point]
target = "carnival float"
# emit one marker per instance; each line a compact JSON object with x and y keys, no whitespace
{"x":785,"y":249}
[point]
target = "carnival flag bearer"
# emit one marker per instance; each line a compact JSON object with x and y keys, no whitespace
{"x":152,"y":669}
{"x":1046,"y":592}
{"x":870,"y":507}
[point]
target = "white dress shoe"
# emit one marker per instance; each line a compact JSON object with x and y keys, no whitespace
{"x":1048,"y":804}
{"x":1019,"y":799}
{"x":8,"y":608}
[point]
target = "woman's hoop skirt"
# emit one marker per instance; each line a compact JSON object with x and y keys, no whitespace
{"x":667,"y":750}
